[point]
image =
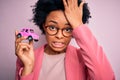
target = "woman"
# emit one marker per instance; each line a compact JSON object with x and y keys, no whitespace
{"x":60,"y":20}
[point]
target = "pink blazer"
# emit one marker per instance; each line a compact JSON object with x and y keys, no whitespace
{"x":85,"y":63}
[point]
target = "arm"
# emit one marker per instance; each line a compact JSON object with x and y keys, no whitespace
{"x":94,"y":58}
{"x":19,"y":69}
{"x":25,"y":61}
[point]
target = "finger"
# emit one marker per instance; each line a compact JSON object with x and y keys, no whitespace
{"x":18,"y":45}
{"x":21,"y":44}
{"x":24,"y":44}
{"x":81,"y":5}
{"x":17,"y":50}
{"x":65,"y":3}
{"x":69,"y":2}
{"x":21,"y":47}
{"x":21,"y":50}
{"x":18,"y":40}
{"x":16,"y":33}
{"x":75,"y":2}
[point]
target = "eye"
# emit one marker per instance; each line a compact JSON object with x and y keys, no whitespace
{"x":52,"y":28}
{"x":68,"y":29}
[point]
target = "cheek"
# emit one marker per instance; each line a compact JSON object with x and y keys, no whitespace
{"x":49,"y":39}
{"x":67,"y":40}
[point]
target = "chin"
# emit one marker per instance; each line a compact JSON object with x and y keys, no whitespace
{"x":60,"y":50}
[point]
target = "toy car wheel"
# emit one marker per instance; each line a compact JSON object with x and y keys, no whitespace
{"x":35,"y":40}
{"x":30,"y":38}
{"x":19,"y":35}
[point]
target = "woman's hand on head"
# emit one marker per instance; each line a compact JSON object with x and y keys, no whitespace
{"x":25,"y":53}
{"x":73,"y":12}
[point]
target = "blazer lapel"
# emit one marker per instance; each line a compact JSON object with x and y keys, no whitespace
{"x":38,"y":63}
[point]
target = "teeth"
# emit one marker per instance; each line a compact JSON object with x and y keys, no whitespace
{"x":58,"y":44}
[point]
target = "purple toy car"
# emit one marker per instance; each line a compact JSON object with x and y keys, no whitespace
{"x":29,"y":33}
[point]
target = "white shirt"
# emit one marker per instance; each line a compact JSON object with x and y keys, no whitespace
{"x":53,"y":67}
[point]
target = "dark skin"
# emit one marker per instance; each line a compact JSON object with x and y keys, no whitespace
{"x":24,"y":51}
{"x":57,"y":43}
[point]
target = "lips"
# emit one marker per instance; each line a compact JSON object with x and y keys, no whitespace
{"x":58,"y":44}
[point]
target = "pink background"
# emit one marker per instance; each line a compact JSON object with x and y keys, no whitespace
{"x":15,"y":14}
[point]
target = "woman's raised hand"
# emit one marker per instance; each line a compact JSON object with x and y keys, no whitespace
{"x":25,"y":53}
{"x":73,"y":12}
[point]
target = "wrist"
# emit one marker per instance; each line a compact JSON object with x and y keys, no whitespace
{"x":77,"y":25}
{"x":27,"y":70}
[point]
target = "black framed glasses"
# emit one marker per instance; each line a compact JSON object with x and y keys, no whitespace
{"x":52,"y":30}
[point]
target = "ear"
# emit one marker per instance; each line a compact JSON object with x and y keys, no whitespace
{"x":44,"y":28}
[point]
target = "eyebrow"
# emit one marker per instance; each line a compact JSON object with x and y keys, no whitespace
{"x":53,"y":21}
{"x":57,"y":23}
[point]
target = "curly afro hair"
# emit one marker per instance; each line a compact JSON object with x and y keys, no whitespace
{"x":43,"y":7}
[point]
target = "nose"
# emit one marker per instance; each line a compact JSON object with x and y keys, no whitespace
{"x":59,"y":35}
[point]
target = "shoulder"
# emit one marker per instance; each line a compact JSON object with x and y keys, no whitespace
{"x":72,"y":50}
{"x":39,"y":50}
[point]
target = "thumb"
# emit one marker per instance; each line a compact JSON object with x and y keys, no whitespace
{"x":16,"y":33}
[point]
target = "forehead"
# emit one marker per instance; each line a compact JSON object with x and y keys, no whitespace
{"x":57,"y":16}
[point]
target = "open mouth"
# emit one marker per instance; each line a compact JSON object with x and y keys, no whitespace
{"x":58,"y":44}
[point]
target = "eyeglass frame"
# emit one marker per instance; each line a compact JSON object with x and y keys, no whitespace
{"x":58,"y":30}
